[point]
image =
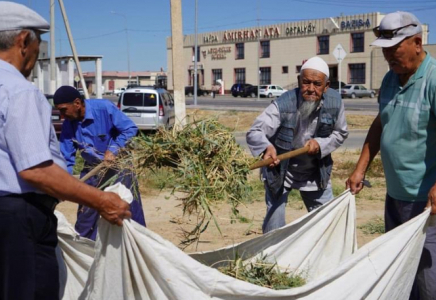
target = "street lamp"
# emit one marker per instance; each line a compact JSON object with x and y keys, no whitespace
{"x":127,"y":40}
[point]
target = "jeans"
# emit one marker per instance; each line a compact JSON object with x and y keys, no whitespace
{"x":398,"y":212}
{"x":275,"y":208}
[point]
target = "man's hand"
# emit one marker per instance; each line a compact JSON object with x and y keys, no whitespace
{"x":314,"y":147}
{"x":109,"y":157}
{"x":270,"y":152}
{"x":114,"y":209}
{"x":432,"y":200}
{"x":355,"y":182}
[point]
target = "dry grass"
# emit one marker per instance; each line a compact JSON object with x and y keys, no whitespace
{"x":242,"y":120}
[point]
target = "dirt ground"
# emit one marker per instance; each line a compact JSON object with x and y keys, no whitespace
{"x":163,"y":212}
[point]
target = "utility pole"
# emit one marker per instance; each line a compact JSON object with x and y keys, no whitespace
{"x":52,"y":48}
{"x":257,"y":45}
{"x":195,"y":57}
{"x":73,"y":48}
{"x":177,"y":62}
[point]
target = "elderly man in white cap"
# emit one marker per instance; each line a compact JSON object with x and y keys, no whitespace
{"x":32,"y":171}
{"x":311,"y":115}
{"x":405,"y":133}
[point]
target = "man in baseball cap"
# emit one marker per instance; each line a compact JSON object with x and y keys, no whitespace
{"x":33,"y":172}
{"x":405,"y":133}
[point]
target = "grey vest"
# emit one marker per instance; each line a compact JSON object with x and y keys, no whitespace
{"x":282,"y":140}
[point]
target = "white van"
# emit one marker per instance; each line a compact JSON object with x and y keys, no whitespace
{"x":148,"y":107}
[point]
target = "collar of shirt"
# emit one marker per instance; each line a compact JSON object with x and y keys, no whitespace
{"x":88,"y":111}
{"x":10,"y":68}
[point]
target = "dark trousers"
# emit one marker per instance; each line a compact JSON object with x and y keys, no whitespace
{"x":28,"y":238}
{"x":398,"y":212}
{"x":87,"y":218}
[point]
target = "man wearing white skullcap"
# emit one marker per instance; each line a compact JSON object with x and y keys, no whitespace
{"x":312,"y":116}
{"x":405,"y":134}
{"x":32,"y":170}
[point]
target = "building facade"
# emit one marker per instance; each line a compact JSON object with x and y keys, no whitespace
{"x":273,"y":54}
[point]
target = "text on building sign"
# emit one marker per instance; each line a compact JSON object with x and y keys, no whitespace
{"x":355,"y":24}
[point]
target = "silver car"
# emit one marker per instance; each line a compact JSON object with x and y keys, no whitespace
{"x":271,"y":90}
{"x":148,"y":107}
{"x":356,"y":91}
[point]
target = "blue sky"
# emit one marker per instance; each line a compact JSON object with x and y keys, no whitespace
{"x":97,"y":31}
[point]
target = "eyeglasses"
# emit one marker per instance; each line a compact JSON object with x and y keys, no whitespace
{"x":388,"y":33}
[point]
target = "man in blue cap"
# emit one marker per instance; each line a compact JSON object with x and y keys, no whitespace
{"x":405,"y":133}
{"x":32,"y":167}
{"x":98,"y":130}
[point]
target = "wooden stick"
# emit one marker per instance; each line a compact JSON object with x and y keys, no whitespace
{"x":93,"y":172}
{"x":283,"y":156}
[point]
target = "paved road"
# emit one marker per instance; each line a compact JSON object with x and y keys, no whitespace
{"x":363,"y":104}
{"x":252,"y":104}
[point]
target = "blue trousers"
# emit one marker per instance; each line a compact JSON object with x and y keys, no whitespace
{"x":87,"y":218}
{"x":398,"y":212}
{"x":275,"y":208}
{"x":28,"y":239}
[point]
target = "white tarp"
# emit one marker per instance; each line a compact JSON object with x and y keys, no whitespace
{"x":132,"y":262}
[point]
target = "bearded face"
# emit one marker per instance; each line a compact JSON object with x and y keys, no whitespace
{"x":313,"y":84}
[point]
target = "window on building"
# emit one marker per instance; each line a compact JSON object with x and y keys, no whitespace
{"x":240,"y":51}
{"x":264,"y":49}
{"x":198,"y":54}
{"x":265,"y":75}
{"x":357,"y":42}
{"x":357,"y":73}
{"x":323,"y":44}
{"x":298,"y":69}
{"x":240,"y":75}
{"x":216,"y":74}
{"x":285,"y":70}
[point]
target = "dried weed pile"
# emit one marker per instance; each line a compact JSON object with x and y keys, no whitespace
{"x":263,"y":273}
{"x":207,"y":164}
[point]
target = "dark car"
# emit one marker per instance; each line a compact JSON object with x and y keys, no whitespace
{"x":238,"y":89}
{"x":189,"y":91}
{"x":55,"y":116}
{"x":335,"y":85}
{"x":250,"y":91}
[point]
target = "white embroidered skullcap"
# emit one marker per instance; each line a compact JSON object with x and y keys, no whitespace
{"x":316,"y":63}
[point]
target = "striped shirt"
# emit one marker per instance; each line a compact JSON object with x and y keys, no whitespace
{"x":27,"y":136}
{"x":408,"y":142}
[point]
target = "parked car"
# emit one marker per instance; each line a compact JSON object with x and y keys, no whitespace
{"x":148,"y":107}
{"x":271,"y":90}
{"x":335,"y":85}
{"x":55,"y":116}
{"x":356,"y":90}
{"x":189,"y":91}
{"x":250,"y":91}
{"x":238,"y":88}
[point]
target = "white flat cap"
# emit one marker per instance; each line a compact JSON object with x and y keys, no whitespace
{"x":14,"y":16}
{"x":316,"y":63}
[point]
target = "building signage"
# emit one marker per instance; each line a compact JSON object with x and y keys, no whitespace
{"x":218,"y":53}
{"x":303,"y":29}
{"x":353,"y":24}
{"x":270,"y":32}
{"x":210,"y":39}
